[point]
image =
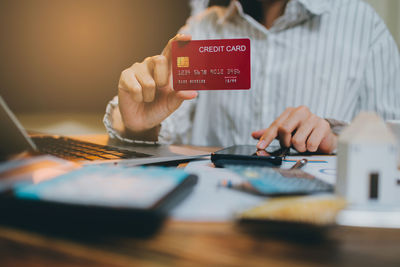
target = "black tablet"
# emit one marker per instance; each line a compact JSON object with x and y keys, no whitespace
{"x":93,"y":199}
{"x":249,"y":155}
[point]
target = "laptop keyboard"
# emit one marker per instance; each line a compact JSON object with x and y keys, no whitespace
{"x":76,"y":150}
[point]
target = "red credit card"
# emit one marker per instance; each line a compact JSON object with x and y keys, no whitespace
{"x":211,"y":64}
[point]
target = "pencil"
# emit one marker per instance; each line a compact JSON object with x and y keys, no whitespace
{"x":299,"y":164}
{"x":240,"y":185}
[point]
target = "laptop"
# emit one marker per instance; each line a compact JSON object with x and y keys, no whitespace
{"x":14,"y":140}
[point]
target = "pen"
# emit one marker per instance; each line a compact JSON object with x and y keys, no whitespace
{"x":242,"y":185}
{"x":299,"y":164}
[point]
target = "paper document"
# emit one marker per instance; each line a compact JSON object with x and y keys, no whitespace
{"x":323,"y":167}
{"x":209,"y":202}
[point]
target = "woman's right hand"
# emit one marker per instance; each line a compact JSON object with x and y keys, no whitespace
{"x":146,"y":96}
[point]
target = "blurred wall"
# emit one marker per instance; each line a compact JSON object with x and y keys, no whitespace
{"x":67,"y":55}
{"x":389,"y":10}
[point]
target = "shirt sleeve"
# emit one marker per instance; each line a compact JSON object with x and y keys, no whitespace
{"x":382,"y":74}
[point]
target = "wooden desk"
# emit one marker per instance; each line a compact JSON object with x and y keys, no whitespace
{"x":202,"y":244}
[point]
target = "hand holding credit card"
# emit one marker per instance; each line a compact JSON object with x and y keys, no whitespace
{"x":211,"y":64}
{"x":146,"y":95}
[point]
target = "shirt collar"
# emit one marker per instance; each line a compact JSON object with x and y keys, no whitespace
{"x":315,"y":7}
{"x":234,"y":8}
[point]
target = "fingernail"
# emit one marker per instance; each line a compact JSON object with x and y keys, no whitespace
{"x":262,"y":144}
{"x":262,"y":152}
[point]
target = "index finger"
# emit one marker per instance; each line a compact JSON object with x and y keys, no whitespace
{"x":179,"y":37}
{"x":272,"y":131}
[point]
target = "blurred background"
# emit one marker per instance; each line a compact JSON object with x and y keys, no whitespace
{"x":61,"y":59}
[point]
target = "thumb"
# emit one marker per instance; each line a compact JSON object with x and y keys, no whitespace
{"x":186,"y":95}
{"x":179,"y":37}
{"x":175,"y":98}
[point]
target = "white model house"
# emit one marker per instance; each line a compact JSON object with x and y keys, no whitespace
{"x":367,"y":156}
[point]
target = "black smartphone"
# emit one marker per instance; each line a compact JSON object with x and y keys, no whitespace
{"x":249,"y":155}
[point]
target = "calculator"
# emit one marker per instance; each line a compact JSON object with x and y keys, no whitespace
{"x":276,"y":181}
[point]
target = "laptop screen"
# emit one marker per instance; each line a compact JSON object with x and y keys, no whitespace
{"x":13,"y":137}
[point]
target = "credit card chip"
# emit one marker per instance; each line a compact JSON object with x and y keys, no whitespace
{"x":183,"y":62}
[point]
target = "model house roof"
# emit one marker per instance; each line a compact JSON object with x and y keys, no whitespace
{"x":367,"y":127}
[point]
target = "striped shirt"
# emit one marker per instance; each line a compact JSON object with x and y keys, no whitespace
{"x":336,"y":57}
